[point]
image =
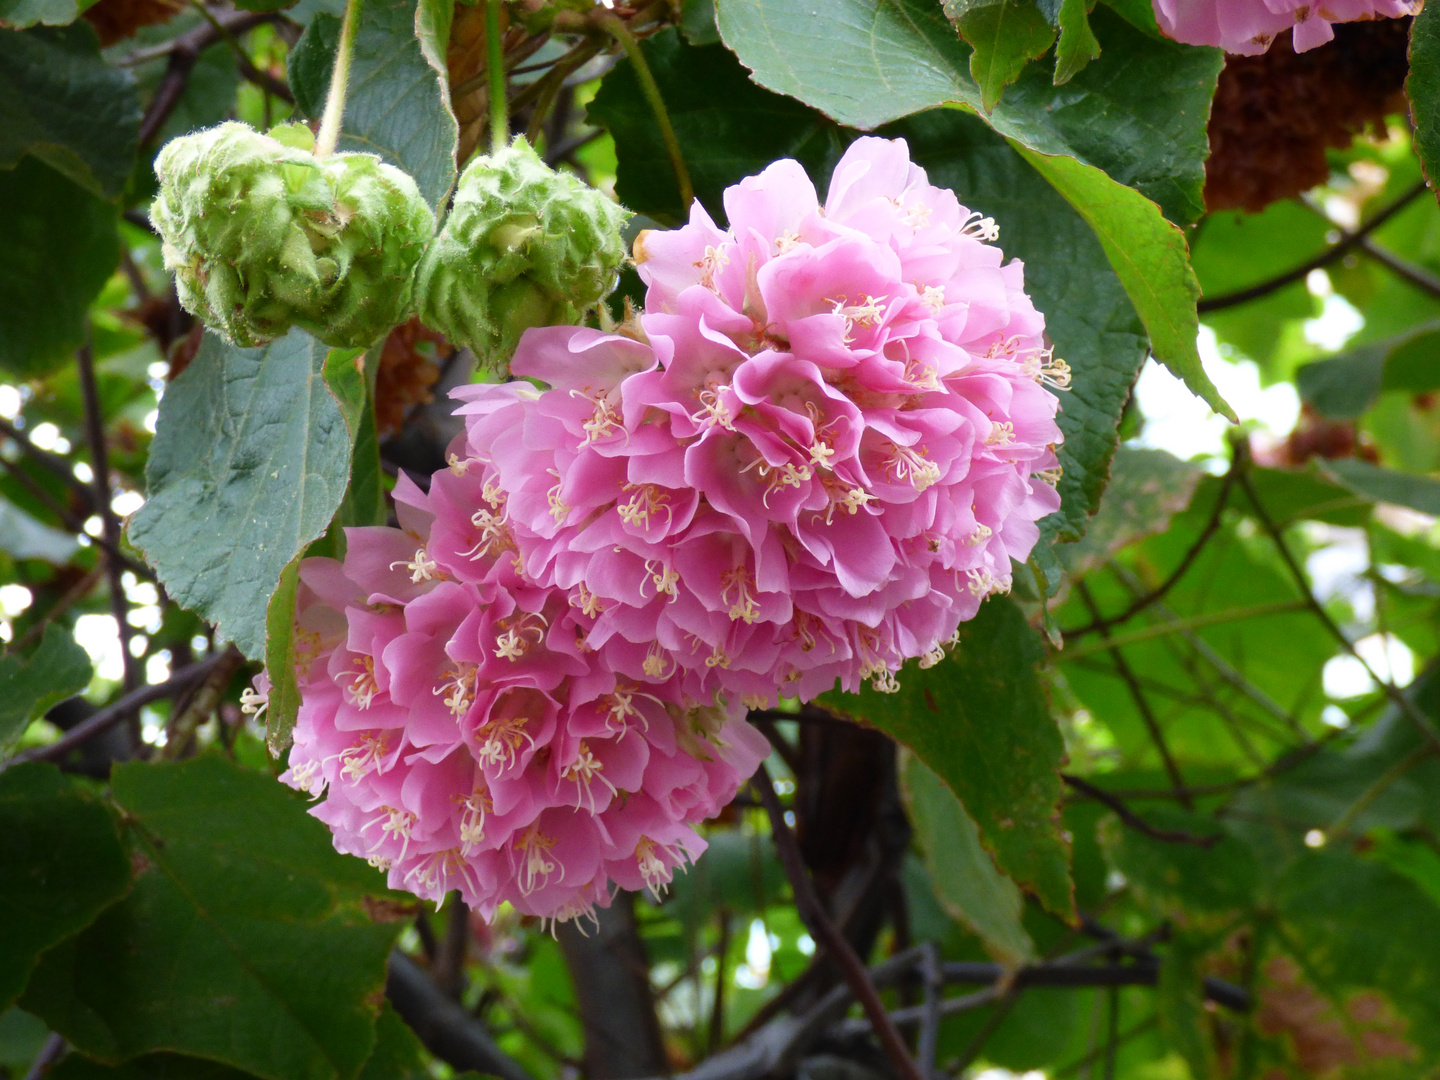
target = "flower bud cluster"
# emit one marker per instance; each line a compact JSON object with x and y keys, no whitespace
{"x":523,"y":246}
{"x":263,"y":236}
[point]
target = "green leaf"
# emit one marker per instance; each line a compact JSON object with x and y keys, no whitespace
{"x":980,"y":719}
{"x":398,"y":1054}
{"x":60,"y":247}
{"x":1138,"y":112}
{"x":1078,"y":44}
{"x":1344,"y":386}
{"x":1422,"y":87}
{"x":62,"y":103}
{"x":1385,"y":485}
{"x":241,"y":941}
{"x":149,"y":1067}
{"x":58,"y":669}
{"x":1180,"y":1003}
{"x":1087,"y":314}
{"x":22,"y":537}
{"x":61,"y":864}
{"x":22,"y":14}
{"x":1004,"y":35}
{"x":963,"y":876}
{"x":250,"y":461}
{"x":1147,"y":488}
{"x":728,"y":127}
{"x":697,"y":22}
{"x":1168,"y":876}
{"x":284,"y":698}
{"x":1150,"y":257}
{"x":398,"y":103}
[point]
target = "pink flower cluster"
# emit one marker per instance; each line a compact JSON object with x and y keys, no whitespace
{"x":812,"y":456}
{"x":1249,"y":26}
{"x":464,"y":734}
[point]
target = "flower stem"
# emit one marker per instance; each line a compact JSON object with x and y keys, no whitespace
{"x":329,"y":134}
{"x":495,"y":63}
{"x":617,"y":29}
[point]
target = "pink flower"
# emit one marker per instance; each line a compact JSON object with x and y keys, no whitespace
{"x":1248,"y":26}
{"x":461,"y":733}
{"x":819,"y":450}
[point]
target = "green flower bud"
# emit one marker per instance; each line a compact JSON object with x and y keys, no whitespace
{"x":263,"y":235}
{"x":523,"y":246}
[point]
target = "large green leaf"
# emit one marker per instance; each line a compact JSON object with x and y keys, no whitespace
{"x":964,"y":877}
{"x":58,"y":669}
{"x":62,"y":103}
{"x":1138,"y":112}
{"x":1149,"y":255}
{"x":1208,"y":882}
{"x":250,"y":461}
{"x":60,"y":246}
{"x":242,"y":940}
{"x":61,"y":864}
{"x":1087,"y":314}
{"x":980,"y":720}
{"x":727,"y":126}
{"x":1422,"y":86}
{"x":398,"y":104}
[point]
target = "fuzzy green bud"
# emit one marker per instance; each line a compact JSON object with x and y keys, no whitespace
{"x":263,"y":235}
{"x":523,"y":246}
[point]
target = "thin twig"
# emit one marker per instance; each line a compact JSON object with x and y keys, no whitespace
{"x":823,"y":930}
{"x":111,"y":715}
{"x":1425,"y":725}
{"x":49,"y":1054}
{"x":1347,"y":242}
{"x":1415,"y":274}
{"x":1142,"y":704}
{"x":1189,"y":622}
{"x":74,"y":524}
{"x":184,"y":53}
{"x":1139,"y":824}
{"x":71,"y":596}
{"x":109,"y":522}
{"x":51,"y":463}
{"x":180,"y":733}
{"x":1142,"y":602}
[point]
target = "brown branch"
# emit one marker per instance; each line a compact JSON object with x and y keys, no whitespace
{"x":184,"y":53}
{"x":112,"y":714}
{"x":180,"y":732}
{"x":1423,"y":723}
{"x":1347,"y":242}
{"x":110,"y":524}
{"x":1139,"y":824}
{"x":1155,"y":595}
{"x":1416,"y":275}
{"x":1142,"y":703}
{"x":443,"y":1025}
{"x":824,"y":931}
